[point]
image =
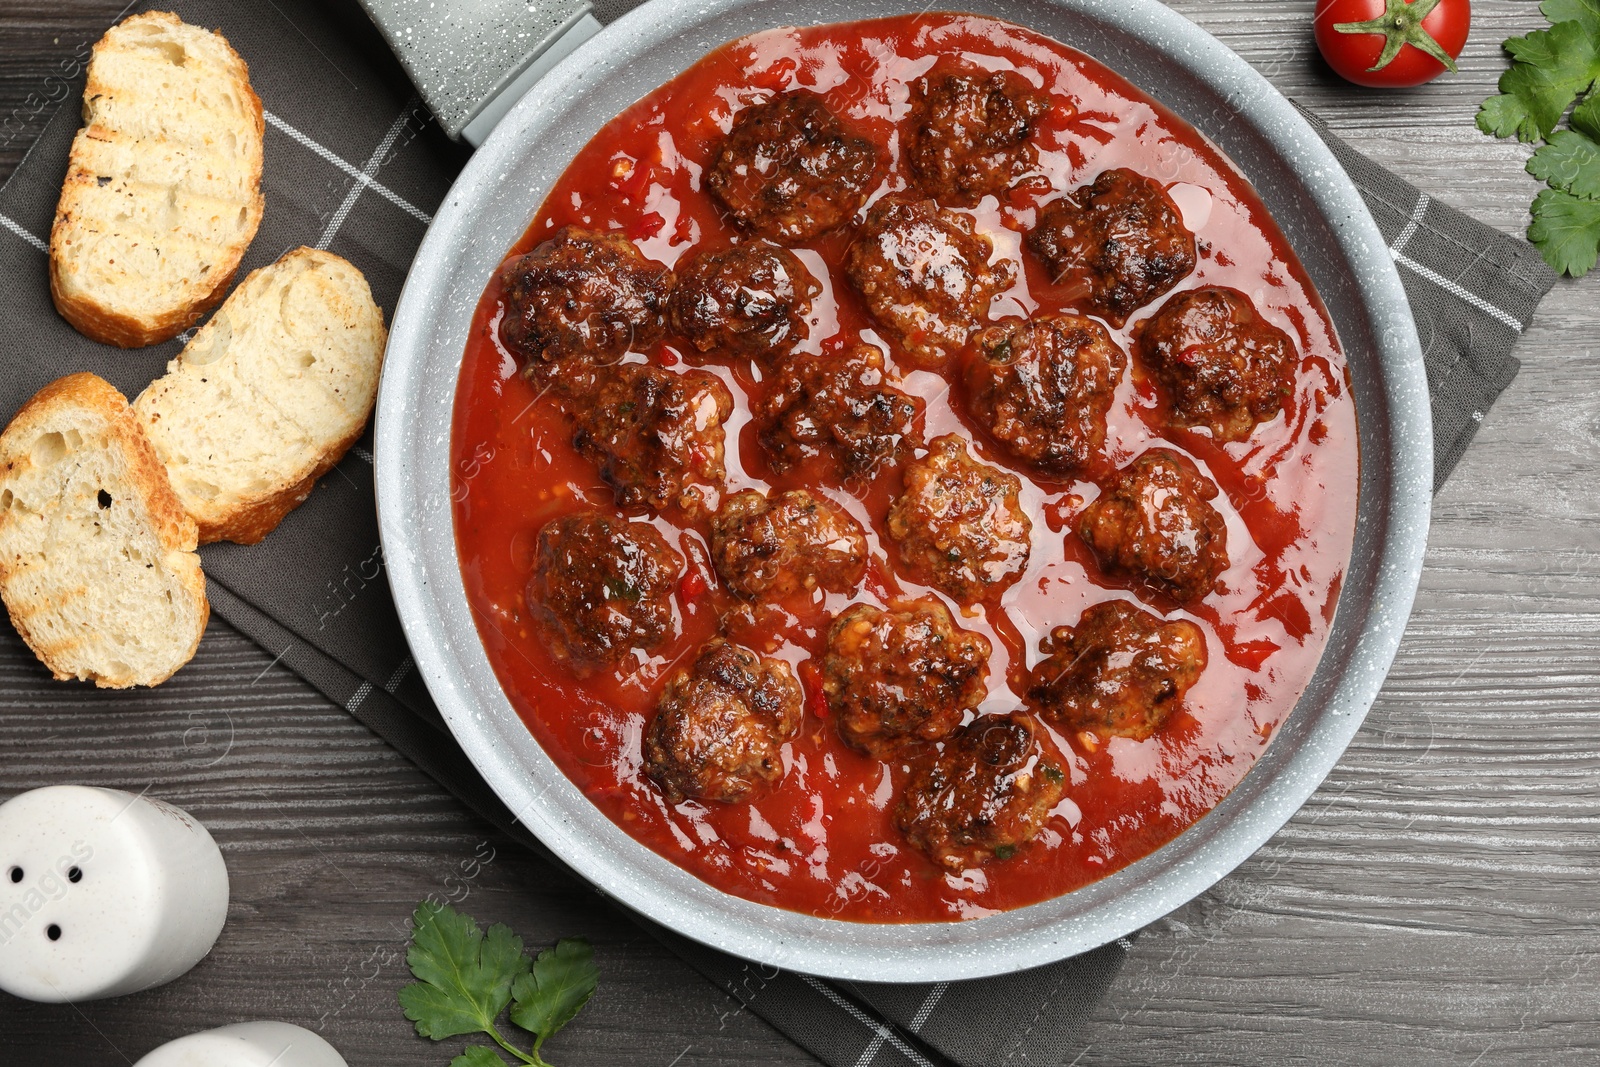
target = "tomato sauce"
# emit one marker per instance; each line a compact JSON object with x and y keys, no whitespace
{"x":822,"y":841}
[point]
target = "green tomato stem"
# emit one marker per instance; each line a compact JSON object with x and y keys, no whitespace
{"x":1401,"y":25}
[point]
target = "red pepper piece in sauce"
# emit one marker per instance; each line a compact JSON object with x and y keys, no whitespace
{"x":647,"y":227}
{"x":778,"y":76}
{"x":631,"y":177}
{"x":1250,"y":654}
{"x":816,"y":700}
{"x":692,"y":587}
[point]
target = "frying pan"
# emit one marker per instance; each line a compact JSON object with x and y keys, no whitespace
{"x":1320,"y":212}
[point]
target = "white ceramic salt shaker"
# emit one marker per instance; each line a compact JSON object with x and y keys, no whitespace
{"x":247,"y":1045}
{"x":103,"y":893}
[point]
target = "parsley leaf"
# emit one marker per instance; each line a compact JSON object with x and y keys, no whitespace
{"x":618,"y":589}
{"x":1586,"y":12}
{"x":1570,"y":161}
{"x":466,"y":978}
{"x":1549,"y":69}
{"x":560,"y":984}
{"x":1567,"y":230}
{"x":1586,"y":116}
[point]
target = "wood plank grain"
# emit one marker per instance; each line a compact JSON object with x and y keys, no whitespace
{"x":1433,"y":903}
{"x":43,"y":45}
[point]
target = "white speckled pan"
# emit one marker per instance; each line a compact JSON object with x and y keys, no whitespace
{"x":1323,"y":217}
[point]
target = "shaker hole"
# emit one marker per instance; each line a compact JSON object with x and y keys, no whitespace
{"x":75,"y":875}
{"x":53,"y":932}
{"x":16,"y":874}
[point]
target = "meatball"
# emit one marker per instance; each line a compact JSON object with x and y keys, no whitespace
{"x":988,"y":793}
{"x":1120,"y":672}
{"x":789,"y":171}
{"x":1042,"y":387}
{"x":1153,"y":522}
{"x":894,"y":678}
{"x":1120,"y":239}
{"x":969,"y":133}
{"x":778,"y":545}
{"x":601,"y":587}
{"x":925,"y":276}
{"x":720,"y":724}
{"x":836,"y":406}
{"x":581,"y":295}
{"x":656,"y":435}
{"x":1221,"y":365}
{"x":749,"y":300}
{"x":958,"y":525}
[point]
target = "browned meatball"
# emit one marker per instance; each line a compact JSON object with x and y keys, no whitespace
{"x":778,"y":545}
{"x":748,"y":300}
{"x":720,"y":723}
{"x":988,"y":793}
{"x":925,"y":276}
{"x":656,"y":435}
{"x":581,"y":295}
{"x":1153,"y":522}
{"x":1120,"y":672}
{"x":1220,"y":363}
{"x":789,"y":171}
{"x":1121,"y":239}
{"x":601,"y":587}
{"x":840,"y":406}
{"x":894,"y":678}
{"x":1042,"y":387}
{"x":959,"y":525}
{"x":969,"y":132}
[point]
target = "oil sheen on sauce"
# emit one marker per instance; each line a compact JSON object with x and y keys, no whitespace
{"x":823,"y":841}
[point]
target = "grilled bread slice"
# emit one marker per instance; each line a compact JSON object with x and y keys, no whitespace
{"x":269,"y":394}
{"x":163,"y":188}
{"x":97,"y":560}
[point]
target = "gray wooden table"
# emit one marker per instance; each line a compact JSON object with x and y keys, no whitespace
{"x":1435,"y":902}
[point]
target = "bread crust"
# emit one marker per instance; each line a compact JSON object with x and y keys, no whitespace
{"x":94,"y":318}
{"x":248,"y":525}
{"x":175,"y":530}
{"x":100,"y":323}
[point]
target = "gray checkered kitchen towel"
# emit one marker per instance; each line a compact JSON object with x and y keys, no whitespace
{"x":354,"y":164}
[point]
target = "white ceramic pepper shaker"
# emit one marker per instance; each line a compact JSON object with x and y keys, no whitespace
{"x":247,"y":1045}
{"x":103,"y":893}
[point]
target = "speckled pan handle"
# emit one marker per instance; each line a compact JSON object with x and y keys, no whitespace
{"x":472,"y":59}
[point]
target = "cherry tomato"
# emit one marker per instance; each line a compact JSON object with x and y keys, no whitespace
{"x":1390,"y":43}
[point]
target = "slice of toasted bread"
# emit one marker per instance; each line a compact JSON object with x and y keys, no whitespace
{"x":97,"y":560}
{"x":163,"y":188}
{"x":269,"y":394}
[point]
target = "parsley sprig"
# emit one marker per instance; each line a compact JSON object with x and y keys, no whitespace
{"x":1549,"y":70}
{"x":466,"y":978}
